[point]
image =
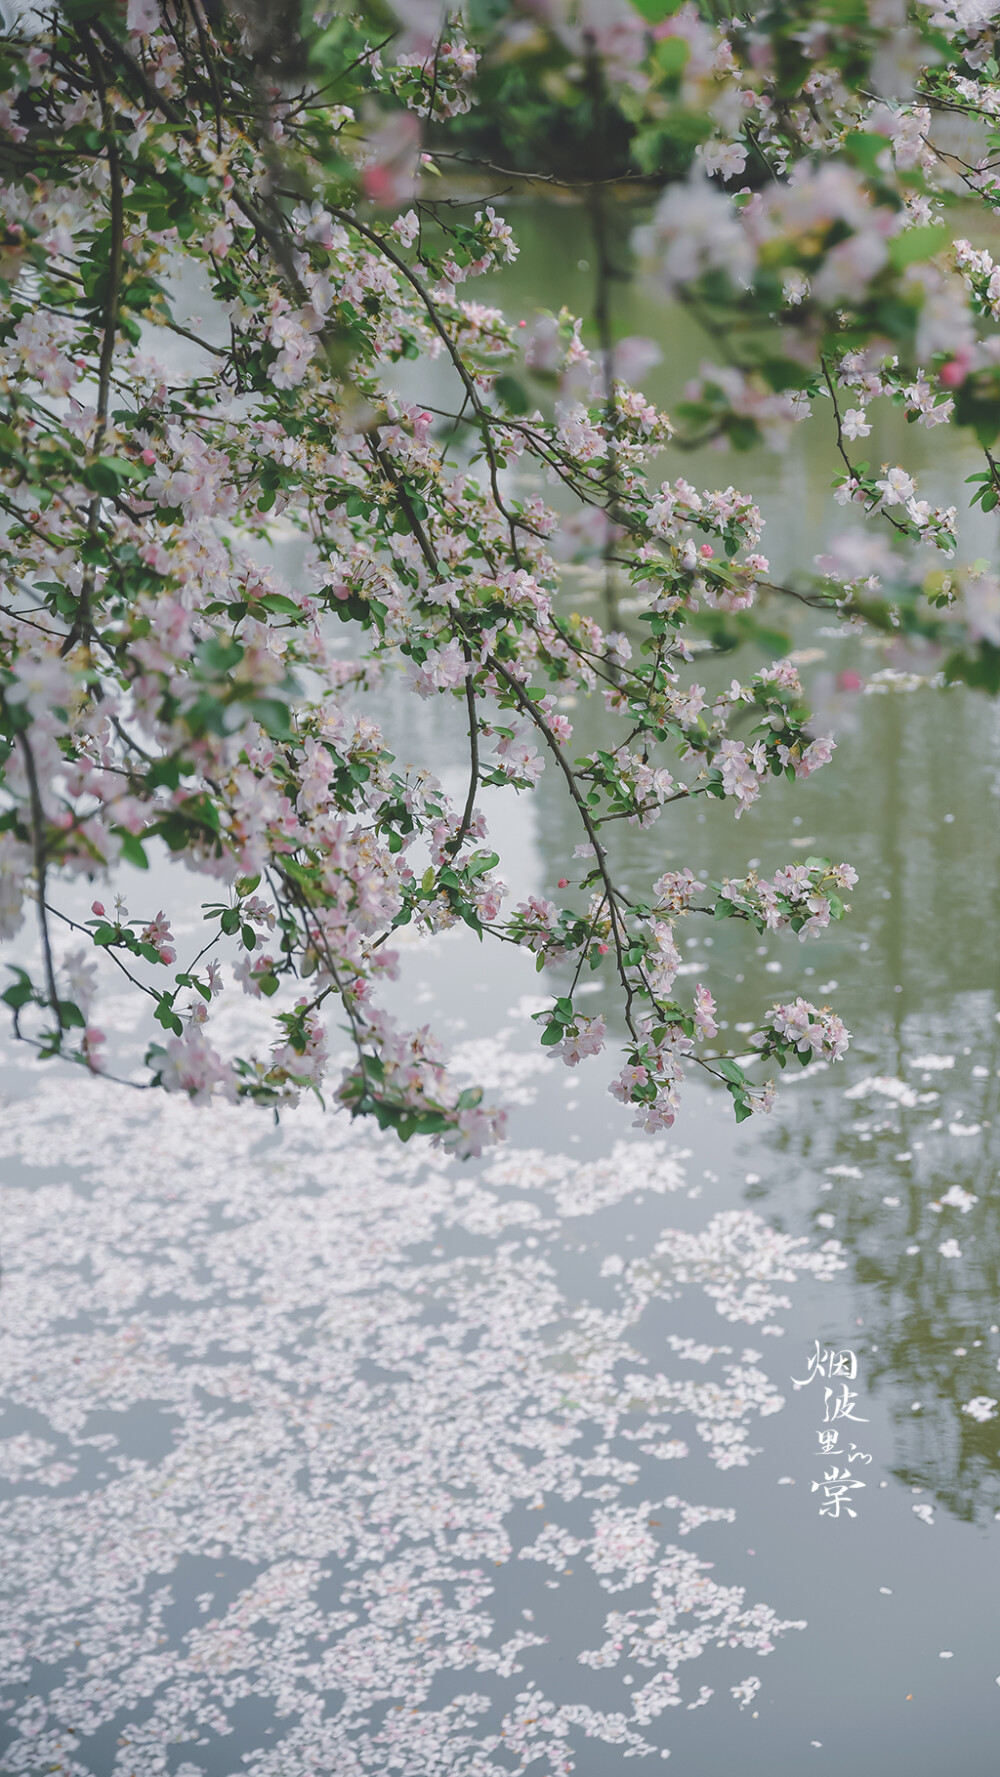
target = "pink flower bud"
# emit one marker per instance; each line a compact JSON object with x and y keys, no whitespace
{"x":98,"y":908}
{"x":953,"y":374}
{"x":563,"y":882}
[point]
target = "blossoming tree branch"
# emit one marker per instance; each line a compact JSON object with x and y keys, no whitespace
{"x":163,"y":689}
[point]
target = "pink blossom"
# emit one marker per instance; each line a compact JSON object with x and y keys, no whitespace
{"x":191,"y":1065}
{"x":704,"y":1014}
{"x":587,"y":1037}
{"x":142,"y":18}
{"x":896,"y":488}
{"x":855,"y":423}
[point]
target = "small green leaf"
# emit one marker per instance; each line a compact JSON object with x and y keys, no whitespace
{"x":277,"y":603}
{"x":20,"y":992}
{"x":915,"y":244}
{"x":512,"y":394}
{"x":132,"y":851}
{"x":272,"y":715}
{"x":865,"y":147}
{"x":671,"y":55}
{"x":655,"y":11}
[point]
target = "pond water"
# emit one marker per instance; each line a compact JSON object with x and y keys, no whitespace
{"x":320,"y":1455}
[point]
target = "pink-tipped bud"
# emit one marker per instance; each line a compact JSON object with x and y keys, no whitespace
{"x":953,"y":374}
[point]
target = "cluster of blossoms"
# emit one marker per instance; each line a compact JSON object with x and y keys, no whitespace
{"x":687,"y":572}
{"x":867,"y":375}
{"x":801,"y":897}
{"x":436,"y":79}
{"x":895,"y":493}
{"x":164,"y":689}
{"x":843,"y":257}
{"x":801,"y":1030}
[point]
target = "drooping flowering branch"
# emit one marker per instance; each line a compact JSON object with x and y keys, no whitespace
{"x":161,"y":685}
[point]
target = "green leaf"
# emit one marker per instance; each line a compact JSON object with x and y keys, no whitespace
{"x":481,"y":862}
{"x":20,"y":992}
{"x":132,"y":851}
{"x":655,"y":11}
{"x":219,"y":655}
{"x":166,"y":1015}
{"x":671,"y":55}
{"x":278,"y":604}
{"x":915,"y":244}
{"x":512,"y":394}
{"x":165,"y":771}
{"x":272,"y":715}
{"x":864,"y":147}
